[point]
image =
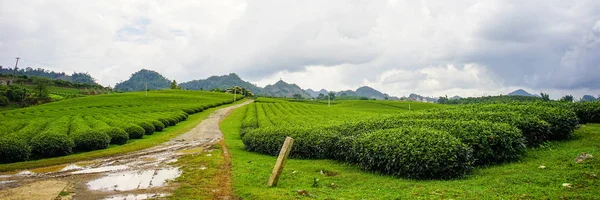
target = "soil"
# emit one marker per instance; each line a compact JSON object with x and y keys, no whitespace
{"x":136,"y":175}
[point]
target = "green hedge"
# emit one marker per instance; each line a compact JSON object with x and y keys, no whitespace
{"x":13,"y":150}
{"x":491,"y":142}
{"x":51,"y":144}
{"x":309,"y":142}
{"x":413,"y":153}
{"x":587,"y":112}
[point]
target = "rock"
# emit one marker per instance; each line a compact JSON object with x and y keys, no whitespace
{"x":566,"y":185}
{"x":542,"y":167}
{"x":294,"y":172}
{"x":583,"y":157}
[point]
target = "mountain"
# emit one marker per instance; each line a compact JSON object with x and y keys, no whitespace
{"x":81,"y":78}
{"x":316,"y":93}
{"x":138,"y":80}
{"x":366,"y":91}
{"x":283,"y":89}
{"x":416,"y":97}
{"x":588,"y":98}
{"x":521,"y":92}
{"x":455,"y":97}
{"x":222,"y":82}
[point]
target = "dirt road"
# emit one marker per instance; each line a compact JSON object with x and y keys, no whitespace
{"x":137,"y":175}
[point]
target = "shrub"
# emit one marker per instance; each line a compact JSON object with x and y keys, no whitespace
{"x":309,"y":142}
{"x":3,"y":100}
{"x":491,"y":142}
{"x":13,"y":150}
{"x":158,"y":126}
{"x":117,"y":135}
{"x":134,"y":131}
{"x":147,"y":126}
{"x":587,"y":112}
{"x":90,"y":140}
{"x":413,"y":153}
{"x":50,"y":144}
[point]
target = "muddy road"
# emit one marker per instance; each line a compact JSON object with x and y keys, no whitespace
{"x":136,"y":175}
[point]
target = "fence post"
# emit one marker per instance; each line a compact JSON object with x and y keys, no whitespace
{"x":283,"y":154}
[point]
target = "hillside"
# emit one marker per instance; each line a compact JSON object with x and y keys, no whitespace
{"x":316,"y":93}
{"x":80,"y":78}
{"x":221,"y":82}
{"x":588,"y":97}
{"x":521,"y":92}
{"x":283,"y":89}
{"x":138,"y":80}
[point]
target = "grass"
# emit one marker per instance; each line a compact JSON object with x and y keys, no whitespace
{"x":133,"y":145}
{"x":326,"y":179}
{"x":200,"y":174}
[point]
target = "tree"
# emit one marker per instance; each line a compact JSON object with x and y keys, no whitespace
{"x":321,"y":96}
{"x":443,"y":100}
{"x":174,"y":85}
{"x":41,"y":87}
{"x":331,"y":95}
{"x":297,"y":96}
{"x":545,"y":96}
{"x":567,"y":98}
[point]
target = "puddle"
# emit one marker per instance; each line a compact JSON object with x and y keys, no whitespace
{"x":71,"y":167}
{"x":48,"y":169}
{"x":25,"y":173}
{"x":133,"y":180}
{"x":101,"y":169}
{"x":135,"y":196}
{"x":5,"y":182}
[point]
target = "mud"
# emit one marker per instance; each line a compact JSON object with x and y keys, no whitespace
{"x":136,"y":175}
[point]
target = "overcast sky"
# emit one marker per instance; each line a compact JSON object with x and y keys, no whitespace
{"x":461,"y":47}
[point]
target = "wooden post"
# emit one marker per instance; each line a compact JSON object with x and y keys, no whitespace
{"x":283,"y":154}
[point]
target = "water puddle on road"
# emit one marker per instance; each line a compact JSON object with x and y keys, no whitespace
{"x":133,"y":180}
{"x":101,"y":169}
{"x":135,"y":196}
{"x":71,"y":167}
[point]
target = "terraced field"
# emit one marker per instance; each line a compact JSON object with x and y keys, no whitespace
{"x":94,"y":122}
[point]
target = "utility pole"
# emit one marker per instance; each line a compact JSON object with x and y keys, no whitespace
{"x":234,"y":93}
{"x":328,"y":100}
{"x":15,"y":69}
{"x":146,"y":88}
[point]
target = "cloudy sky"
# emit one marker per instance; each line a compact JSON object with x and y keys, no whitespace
{"x":462,"y":47}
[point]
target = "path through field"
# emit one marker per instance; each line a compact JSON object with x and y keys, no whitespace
{"x":137,"y":175}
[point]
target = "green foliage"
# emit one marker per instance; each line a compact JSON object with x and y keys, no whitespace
{"x":413,"y":153}
{"x":86,"y":138}
{"x":587,"y":112}
{"x":567,"y":99}
{"x":3,"y":100}
{"x":545,"y":97}
{"x":139,"y":80}
{"x":13,"y":150}
{"x":494,"y":99}
{"x":51,"y":144}
{"x":93,"y":122}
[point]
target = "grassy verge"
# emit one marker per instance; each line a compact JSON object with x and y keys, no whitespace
{"x":133,"y":145}
{"x":325,"y":179}
{"x":200,"y":174}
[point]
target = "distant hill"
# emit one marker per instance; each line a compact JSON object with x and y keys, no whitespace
{"x":138,"y":80}
{"x":316,"y":93}
{"x":588,"y":98}
{"x":366,"y":91}
{"x":283,"y":89}
{"x":455,"y":97}
{"x":521,"y":92}
{"x":416,"y":97}
{"x":81,"y":78}
{"x":222,"y":82}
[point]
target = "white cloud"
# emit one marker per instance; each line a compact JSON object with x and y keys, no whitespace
{"x":465,"y":47}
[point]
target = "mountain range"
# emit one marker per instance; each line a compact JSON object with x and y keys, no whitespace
{"x":521,"y":92}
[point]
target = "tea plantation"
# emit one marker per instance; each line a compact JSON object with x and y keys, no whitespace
{"x":443,"y":142}
{"x":95,"y":122}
